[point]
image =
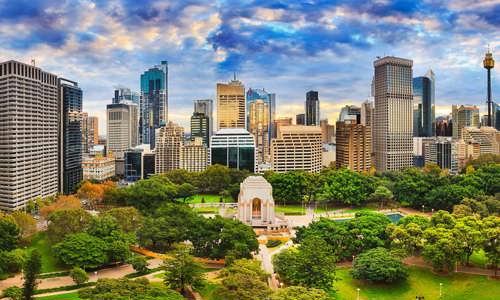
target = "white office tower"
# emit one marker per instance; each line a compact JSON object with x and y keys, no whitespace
{"x":122,"y":128}
{"x":28,"y":134}
{"x":393,"y":119}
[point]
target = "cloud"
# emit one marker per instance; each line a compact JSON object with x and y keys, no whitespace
{"x":288,"y":47}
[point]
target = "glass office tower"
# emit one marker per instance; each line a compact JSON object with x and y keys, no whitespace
{"x":424,"y":115}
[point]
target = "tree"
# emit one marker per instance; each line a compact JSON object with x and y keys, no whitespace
{"x":26,"y":223}
{"x":126,"y":289}
{"x":12,"y":262}
{"x":79,"y":275}
{"x":441,"y":249}
{"x":62,"y":203}
{"x":443,"y":219}
{"x":312,"y":264}
{"x":82,"y":250}
{"x":181,"y":270}
{"x":139,"y":263}
{"x":9,"y":233}
{"x":467,"y":232}
{"x":407,"y":237}
{"x":94,"y":192}
{"x":65,"y":222}
{"x":289,"y":186}
{"x":31,"y":269}
{"x":214,"y":179}
{"x":185,"y":191}
{"x":378,"y":265}
{"x":243,"y":280}
{"x":299,"y":293}
{"x":491,"y":242}
{"x":13,"y":293}
{"x":346,"y":187}
{"x":382,"y":195}
{"x":129,"y":219}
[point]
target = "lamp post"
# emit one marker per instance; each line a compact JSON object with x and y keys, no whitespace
{"x":358,"y":289}
{"x":423,"y":206}
{"x":440,"y":290}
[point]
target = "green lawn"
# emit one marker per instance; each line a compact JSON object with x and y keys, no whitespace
{"x":206,"y":210}
{"x":49,"y":261}
{"x":421,"y":282}
{"x":68,"y":296}
{"x":207,"y":291}
{"x":209,"y":199}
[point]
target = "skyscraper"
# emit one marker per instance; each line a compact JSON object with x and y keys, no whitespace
{"x":206,"y":107}
{"x":231,"y":105}
{"x":200,"y":127}
{"x":70,"y":136}
{"x":350,"y":112}
{"x":28,"y":134}
{"x":122,"y":128}
{"x":424,"y":117}
{"x":312,"y":108}
{"x":123,"y":93}
{"x":261,"y":112}
{"x":393,"y":113}
{"x":300,"y":119}
{"x":463,"y":116}
{"x":154,"y":102}
{"x":353,"y":145}
{"x":168,"y":151}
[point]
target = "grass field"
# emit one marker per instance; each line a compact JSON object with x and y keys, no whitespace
{"x":209,"y":199}
{"x":421,"y":282}
{"x":49,"y":261}
{"x":67,"y":296}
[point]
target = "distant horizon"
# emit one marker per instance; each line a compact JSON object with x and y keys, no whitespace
{"x":286,"y":48}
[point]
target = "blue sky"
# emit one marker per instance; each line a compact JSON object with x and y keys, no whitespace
{"x":286,"y":47}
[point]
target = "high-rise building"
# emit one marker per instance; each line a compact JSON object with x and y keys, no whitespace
{"x":123,"y":93}
{"x":443,"y":151}
{"x":200,"y":127}
{"x":327,"y":131}
{"x":419,"y":150}
{"x":297,"y":148}
{"x":206,"y":107}
{"x":488,"y":138}
{"x":70,"y":136}
{"x":261,"y":112}
{"x":92,"y":131}
{"x":353,"y":146}
{"x":496,"y":115}
{"x":137,"y":166}
{"x":168,"y":149}
{"x":300,"y":119}
{"x":350,"y":112}
{"x":283,"y":121}
{"x":488,"y":64}
{"x":231,"y":105}
{"x":464,"y":116}
{"x":122,"y":128}
{"x":28,"y":134}
{"x":85,"y":132}
{"x":194,"y":156}
{"x":393,"y":132}
{"x":424,"y":118}
{"x":154,"y":102}
{"x":234,"y":148}
{"x":444,"y":126}
{"x":367,"y":113}
{"x":312,"y":108}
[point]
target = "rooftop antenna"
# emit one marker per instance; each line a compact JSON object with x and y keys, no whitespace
{"x":234,"y":76}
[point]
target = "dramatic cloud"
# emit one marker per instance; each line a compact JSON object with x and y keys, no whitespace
{"x":287,"y":47}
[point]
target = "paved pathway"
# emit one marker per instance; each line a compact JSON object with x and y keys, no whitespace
{"x":48,"y":283}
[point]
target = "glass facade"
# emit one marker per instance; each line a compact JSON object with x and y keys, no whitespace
{"x":71,"y":135}
{"x":154,"y":102}
{"x":234,"y":158}
{"x":200,"y":127}
{"x":424,"y":124}
{"x":312,"y":108}
{"x":133,"y":165}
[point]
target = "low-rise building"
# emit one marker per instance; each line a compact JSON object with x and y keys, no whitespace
{"x":98,"y":168}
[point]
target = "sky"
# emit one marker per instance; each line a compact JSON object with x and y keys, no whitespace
{"x":286,"y":47}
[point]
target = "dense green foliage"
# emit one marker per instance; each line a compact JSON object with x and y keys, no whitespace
{"x":82,"y":250}
{"x":31,"y":269}
{"x":13,"y":293}
{"x":9,"y":233}
{"x":181,"y":270}
{"x":62,"y":223}
{"x":243,"y":280}
{"x":79,"y":275}
{"x":311,"y":264}
{"x":351,"y":237}
{"x":378,"y":265}
{"x":139,"y":263}
{"x":125,"y":289}
{"x":299,"y":293}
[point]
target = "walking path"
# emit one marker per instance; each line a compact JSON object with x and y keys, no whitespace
{"x":55,"y":282}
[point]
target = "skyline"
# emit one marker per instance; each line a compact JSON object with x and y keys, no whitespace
{"x":269,"y":44}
